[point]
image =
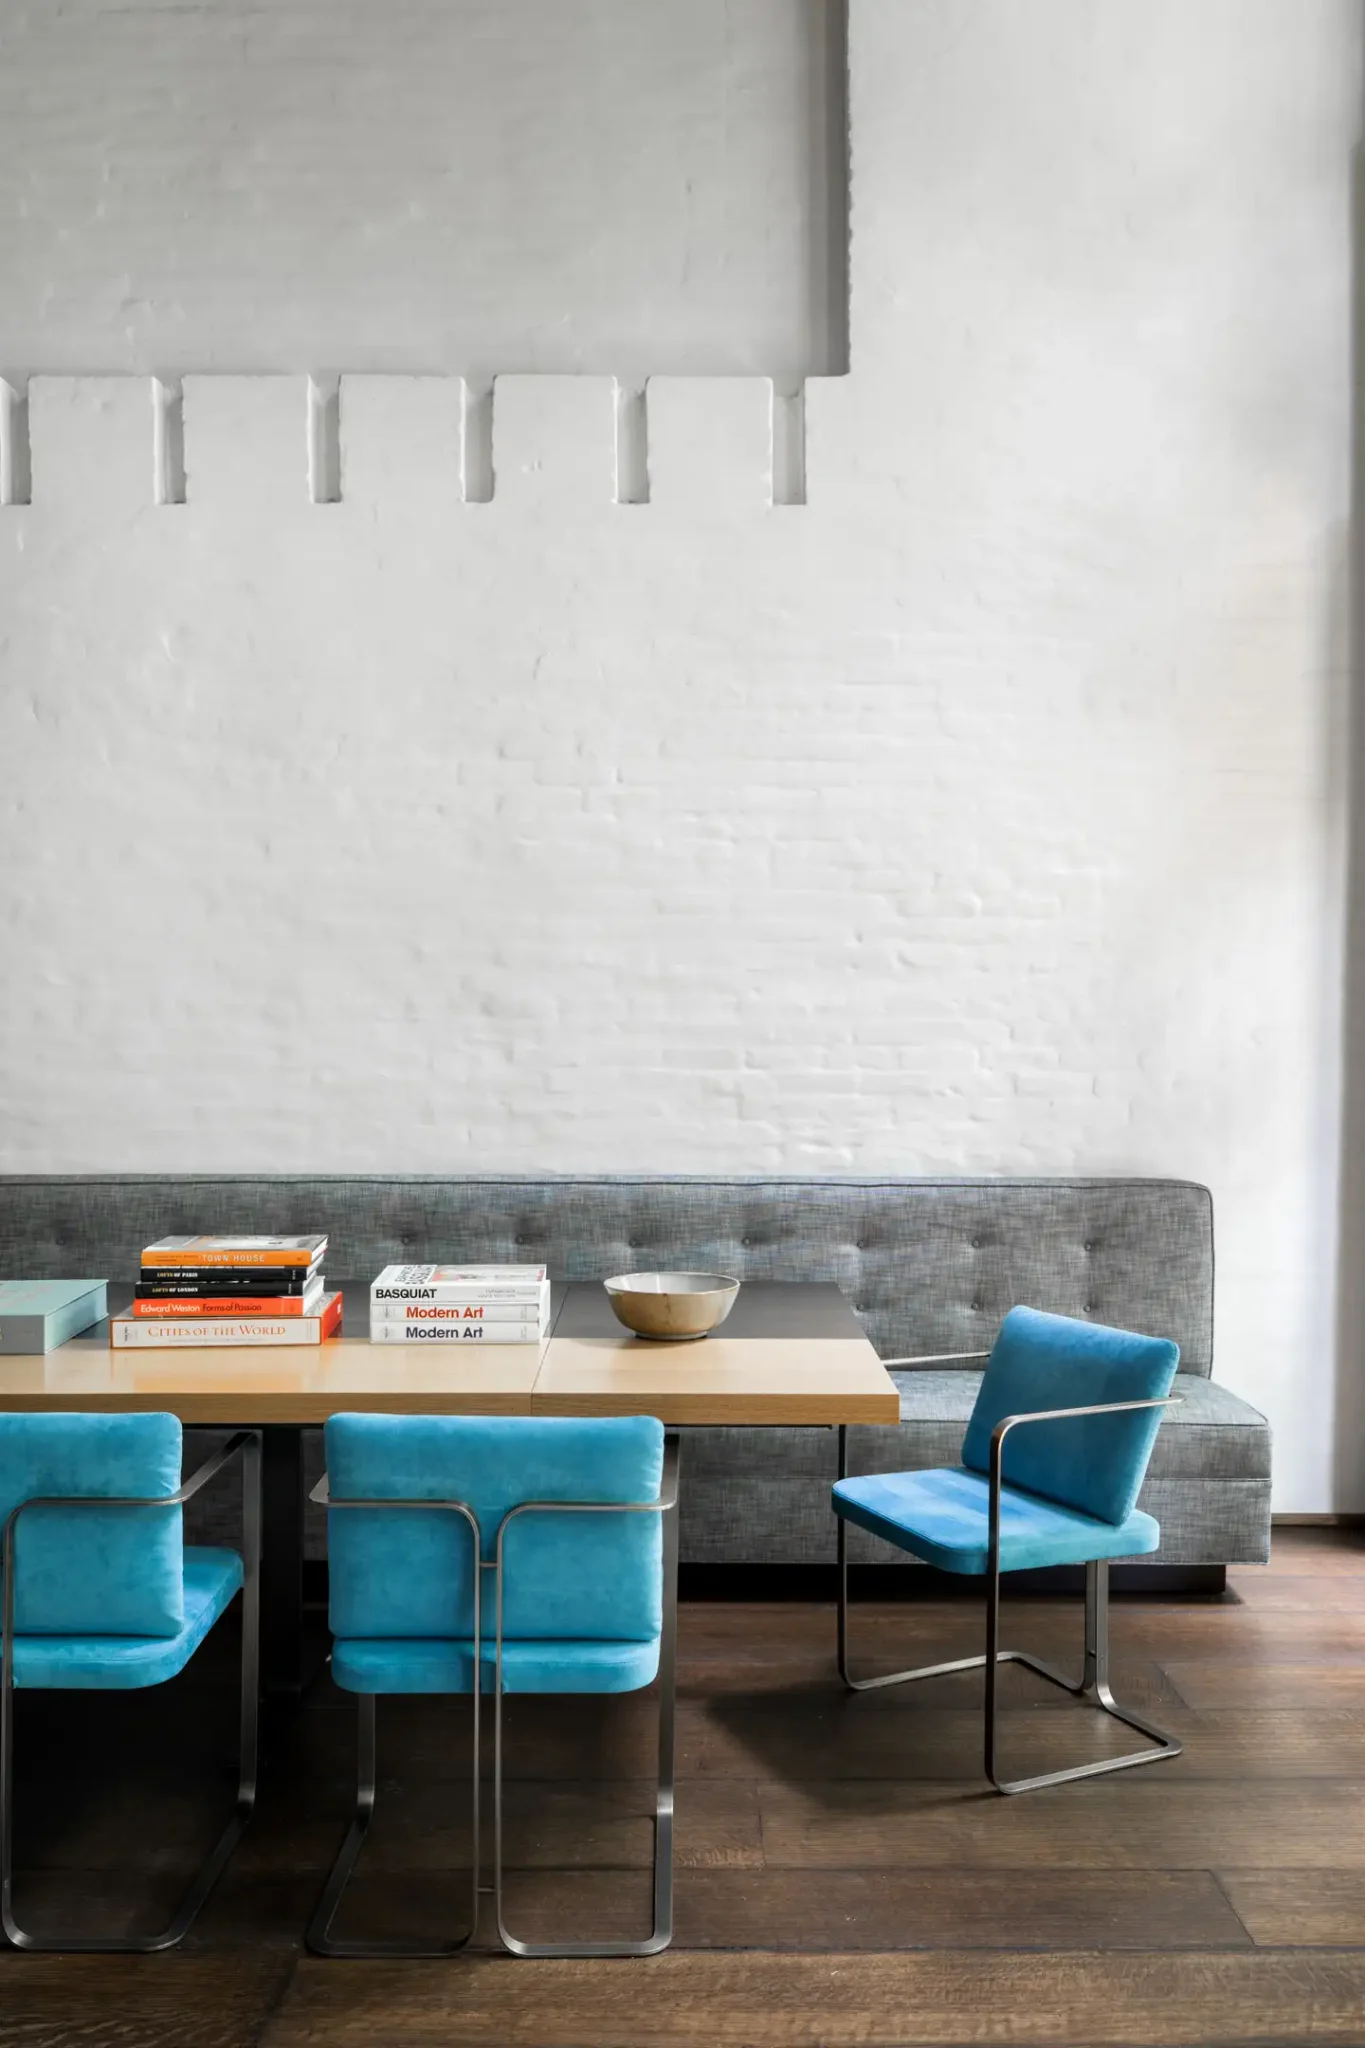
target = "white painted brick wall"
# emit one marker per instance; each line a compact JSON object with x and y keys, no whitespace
{"x":979,"y":815}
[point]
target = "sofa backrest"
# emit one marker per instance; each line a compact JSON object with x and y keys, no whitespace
{"x":930,"y":1265}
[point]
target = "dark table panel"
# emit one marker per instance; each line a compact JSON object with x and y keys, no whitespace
{"x":765,"y":1308}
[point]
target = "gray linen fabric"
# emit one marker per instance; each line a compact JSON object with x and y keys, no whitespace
{"x":929,"y":1265}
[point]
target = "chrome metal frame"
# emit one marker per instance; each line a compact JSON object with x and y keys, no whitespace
{"x":1093,"y":1685}
{"x":248,"y":1443}
{"x":662,"y":1933}
{"x":319,"y":1938}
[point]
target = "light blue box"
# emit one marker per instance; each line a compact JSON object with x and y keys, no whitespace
{"x":38,"y":1315}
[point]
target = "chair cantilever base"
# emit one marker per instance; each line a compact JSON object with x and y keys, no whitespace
{"x":1092,"y":1686}
{"x":187,"y":1912}
{"x":1095,"y":1695}
{"x":319,"y":1939}
{"x":248,"y":1443}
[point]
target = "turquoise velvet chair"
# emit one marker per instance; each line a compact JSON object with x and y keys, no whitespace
{"x":571,"y":1527}
{"x":100,"y":1594}
{"x":1052,"y":1463}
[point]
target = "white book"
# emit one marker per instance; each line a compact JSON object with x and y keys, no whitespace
{"x":456,"y":1312}
{"x":513,"y":1286}
{"x":130,"y":1333}
{"x":470,"y":1277}
{"x":455,"y":1333}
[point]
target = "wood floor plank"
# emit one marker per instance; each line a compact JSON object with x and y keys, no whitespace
{"x":1326,"y":1553}
{"x":1266,"y":1592}
{"x":896,"y":1909}
{"x":839,"y":1739}
{"x":1208,"y":1682}
{"x":1141,"y":1679}
{"x":1244,"y":1743}
{"x":1294,"y":1635}
{"x":1130,"y":1822}
{"x":778,"y":1910}
{"x":948,"y":2000}
{"x":1300,"y":1908}
{"x":820,"y":1733}
{"x":563,"y":1825}
{"x":1138,"y":1627}
{"x":173,"y":2001}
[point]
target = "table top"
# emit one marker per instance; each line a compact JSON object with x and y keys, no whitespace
{"x":790,"y":1352}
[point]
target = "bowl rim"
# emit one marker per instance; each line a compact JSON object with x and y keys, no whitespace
{"x":725,"y":1283}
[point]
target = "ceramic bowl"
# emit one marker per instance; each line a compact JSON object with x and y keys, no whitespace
{"x":672,"y":1308}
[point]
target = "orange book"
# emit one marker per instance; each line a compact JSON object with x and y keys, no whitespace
{"x":233,"y":1305}
{"x":234,"y":1251}
{"x":204,"y":1332}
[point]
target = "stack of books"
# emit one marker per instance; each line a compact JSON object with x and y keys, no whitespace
{"x":230,"y":1290}
{"x":460,"y":1304}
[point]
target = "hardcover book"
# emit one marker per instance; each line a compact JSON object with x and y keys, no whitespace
{"x":235,"y":1251}
{"x":232,"y":1305}
{"x":528,"y":1286}
{"x":456,"y":1312}
{"x":128,"y":1332}
{"x":38,"y":1315}
{"x":454,"y":1333}
{"x":164,"y":1280}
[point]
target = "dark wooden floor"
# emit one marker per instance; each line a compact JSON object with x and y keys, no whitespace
{"x":843,"y":1877}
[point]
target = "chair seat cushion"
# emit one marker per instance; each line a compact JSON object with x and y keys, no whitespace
{"x":446,"y":1664}
{"x":943,"y":1517}
{"x":125,"y":1662}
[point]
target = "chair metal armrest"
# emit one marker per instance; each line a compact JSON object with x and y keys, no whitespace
{"x":187,"y":1489}
{"x":1009,"y":1422}
{"x":211,"y":1467}
{"x":322,"y":1497}
{"x":667,"y":1499}
{"x":924,"y":1359}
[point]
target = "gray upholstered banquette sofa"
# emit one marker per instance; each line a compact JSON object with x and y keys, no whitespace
{"x":929,"y":1266}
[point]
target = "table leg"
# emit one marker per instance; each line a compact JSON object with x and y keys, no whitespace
{"x":282,"y":1563}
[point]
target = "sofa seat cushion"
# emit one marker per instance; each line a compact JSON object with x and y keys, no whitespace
{"x":1212,"y":1434}
{"x":943,"y":1517}
{"x":124,"y":1663}
{"x":446,"y":1664}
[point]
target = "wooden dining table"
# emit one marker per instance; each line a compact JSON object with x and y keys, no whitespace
{"x":790,"y":1353}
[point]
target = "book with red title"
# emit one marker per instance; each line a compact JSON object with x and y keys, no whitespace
{"x":440,"y":1304}
{"x":128,"y":1332}
{"x":455,"y":1312}
{"x":235,"y":1251}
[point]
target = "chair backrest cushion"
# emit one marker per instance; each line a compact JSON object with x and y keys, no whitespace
{"x":404,"y":1572}
{"x":1094,"y":1463}
{"x":94,"y":1571}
